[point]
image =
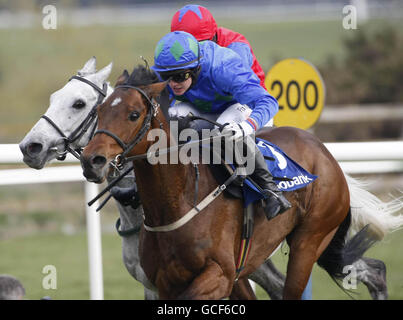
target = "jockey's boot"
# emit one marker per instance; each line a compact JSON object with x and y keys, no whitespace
{"x":275,"y":202}
{"x":126,"y":196}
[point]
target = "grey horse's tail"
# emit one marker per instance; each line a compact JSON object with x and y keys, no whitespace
{"x":341,"y":252}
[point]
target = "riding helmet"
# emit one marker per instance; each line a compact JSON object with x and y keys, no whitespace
{"x":196,"y":20}
{"x":175,"y":51}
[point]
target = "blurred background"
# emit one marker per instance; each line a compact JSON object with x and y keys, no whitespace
{"x":44,"y":224}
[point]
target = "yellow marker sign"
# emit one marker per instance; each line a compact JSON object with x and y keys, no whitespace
{"x":299,"y":90}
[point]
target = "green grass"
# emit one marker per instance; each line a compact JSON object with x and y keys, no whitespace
{"x":25,"y":258}
{"x":36,"y":62}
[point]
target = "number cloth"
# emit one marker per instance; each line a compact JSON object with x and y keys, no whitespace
{"x":283,"y":167}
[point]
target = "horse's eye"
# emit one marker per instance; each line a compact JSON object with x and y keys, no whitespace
{"x":134,"y":116}
{"x":79,"y":104}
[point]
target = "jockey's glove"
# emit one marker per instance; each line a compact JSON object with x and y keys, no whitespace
{"x":238,"y":130}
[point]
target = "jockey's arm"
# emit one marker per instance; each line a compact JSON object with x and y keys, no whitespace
{"x":234,"y":77}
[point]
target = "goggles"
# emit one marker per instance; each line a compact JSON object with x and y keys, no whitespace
{"x":176,"y":77}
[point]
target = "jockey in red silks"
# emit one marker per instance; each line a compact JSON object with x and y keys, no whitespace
{"x":199,"y":22}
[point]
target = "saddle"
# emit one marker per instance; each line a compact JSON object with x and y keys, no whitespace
{"x":287,"y":173}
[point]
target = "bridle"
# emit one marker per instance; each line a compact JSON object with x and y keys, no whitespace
{"x":122,"y":158}
{"x":152,"y":111}
{"x":83,"y":126}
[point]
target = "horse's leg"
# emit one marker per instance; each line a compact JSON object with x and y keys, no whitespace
{"x":150,"y":294}
{"x":299,"y":268}
{"x":372,"y":273}
{"x":211,"y":284}
{"x":305,"y":249}
{"x":270,"y":279}
{"x":242,"y":290}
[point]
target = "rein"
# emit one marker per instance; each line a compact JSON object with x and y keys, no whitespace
{"x":122,"y":158}
{"x":118,"y":162}
{"x":83,"y":126}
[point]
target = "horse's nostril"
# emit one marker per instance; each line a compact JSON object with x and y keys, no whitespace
{"x":34,"y":149}
{"x":98,"y":161}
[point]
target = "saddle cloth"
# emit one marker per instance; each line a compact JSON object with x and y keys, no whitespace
{"x":283,"y":166}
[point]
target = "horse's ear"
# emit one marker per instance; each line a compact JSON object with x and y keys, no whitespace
{"x":154,"y":90}
{"x":122,"y":78}
{"x":89,"y":67}
{"x":103,"y":74}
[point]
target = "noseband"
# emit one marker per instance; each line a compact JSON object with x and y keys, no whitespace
{"x":83,"y":126}
{"x":152,"y":111}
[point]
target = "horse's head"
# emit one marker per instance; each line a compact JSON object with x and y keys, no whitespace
{"x":123,"y":122}
{"x":68,"y":108}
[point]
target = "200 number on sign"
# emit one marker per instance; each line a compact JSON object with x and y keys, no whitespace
{"x":299,"y":90}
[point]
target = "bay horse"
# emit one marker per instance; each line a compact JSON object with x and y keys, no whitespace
{"x":197,"y":260}
{"x":69,"y":115}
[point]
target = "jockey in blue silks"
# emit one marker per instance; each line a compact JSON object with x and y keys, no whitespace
{"x":213,"y":82}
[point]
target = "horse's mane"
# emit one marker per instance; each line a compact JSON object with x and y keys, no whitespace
{"x":142,"y":76}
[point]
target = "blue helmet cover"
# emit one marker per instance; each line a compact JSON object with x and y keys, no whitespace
{"x":176,"y":50}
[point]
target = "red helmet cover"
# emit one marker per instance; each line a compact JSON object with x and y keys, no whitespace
{"x":196,"y":20}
